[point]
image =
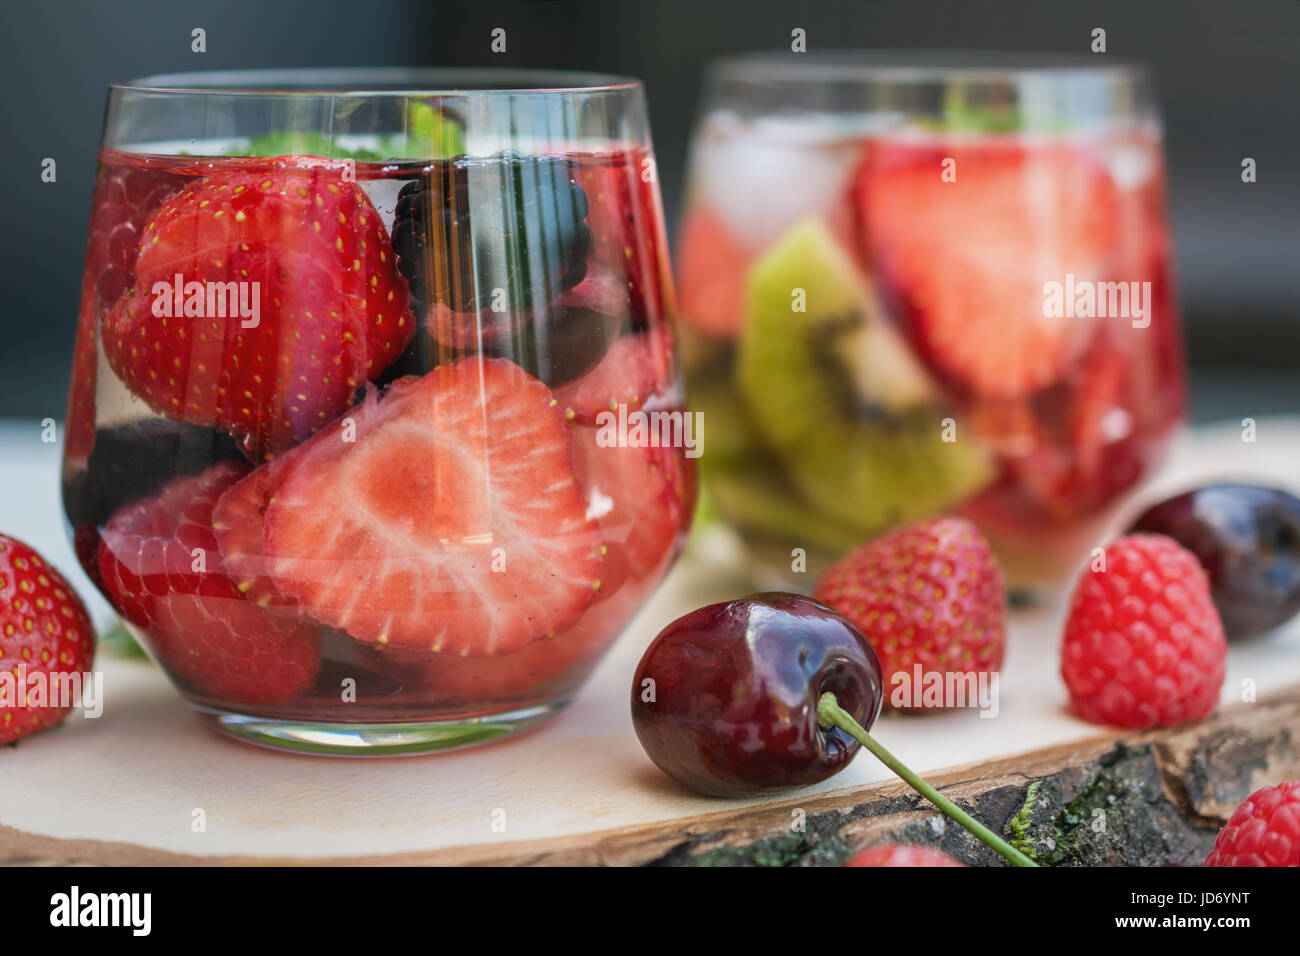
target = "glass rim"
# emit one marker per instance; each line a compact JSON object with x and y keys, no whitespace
{"x":380,"y":82}
{"x":920,"y":65}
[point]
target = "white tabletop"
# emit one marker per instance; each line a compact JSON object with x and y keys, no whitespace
{"x":137,"y":774}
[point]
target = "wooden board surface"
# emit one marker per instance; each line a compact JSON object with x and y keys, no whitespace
{"x":124,"y":788}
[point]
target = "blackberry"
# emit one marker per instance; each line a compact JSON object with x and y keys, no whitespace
{"x":130,"y":462}
{"x":528,"y":234}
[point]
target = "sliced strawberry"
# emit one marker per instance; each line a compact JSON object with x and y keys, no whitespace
{"x":969,"y":258}
{"x":554,"y":664}
{"x":333,"y":308}
{"x":1074,"y":451}
{"x":1007,"y":426}
{"x":1109,"y":446}
{"x":711,"y":275}
{"x":627,"y":229}
{"x":643,"y":498}
{"x":1099,"y":415}
{"x":443,"y":514}
{"x":163,"y":572}
{"x":636,"y":368}
{"x":237,"y":522}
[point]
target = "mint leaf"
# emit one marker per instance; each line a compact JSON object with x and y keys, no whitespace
{"x":430,"y":134}
{"x":966,"y":110}
{"x":306,"y":143}
{"x":118,"y":642}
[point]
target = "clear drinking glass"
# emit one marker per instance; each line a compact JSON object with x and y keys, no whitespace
{"x":914,"y":283}
{"x":344,"y":345}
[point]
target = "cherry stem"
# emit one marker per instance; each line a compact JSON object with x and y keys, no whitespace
{"x":831,"y":714}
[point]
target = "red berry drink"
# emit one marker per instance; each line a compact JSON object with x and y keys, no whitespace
{"x":957,"y":301}
{"x":338,"y":442}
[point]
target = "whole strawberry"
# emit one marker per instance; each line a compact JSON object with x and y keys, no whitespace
{"x":900,"y":854}
{"x":1263,"y":831}
{"x":331,"y":305}
{"x":44,"y":629}
{"x":1143,"y":643}
{"x":627,"y":233}
{"x":930,"y":598}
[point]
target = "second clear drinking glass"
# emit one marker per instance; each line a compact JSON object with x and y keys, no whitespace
{"x":914,"y":283}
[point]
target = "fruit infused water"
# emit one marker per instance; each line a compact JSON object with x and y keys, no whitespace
{"x":952,"y":303}
{"x":334,"y":448}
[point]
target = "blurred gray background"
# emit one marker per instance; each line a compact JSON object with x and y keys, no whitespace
{"x":1228,"y":74}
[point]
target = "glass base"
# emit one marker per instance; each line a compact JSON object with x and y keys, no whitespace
{"x":396,"y":739}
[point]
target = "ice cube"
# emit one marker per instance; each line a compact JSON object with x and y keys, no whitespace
{"x":762,"y":176}
{"x":1131,"y":165}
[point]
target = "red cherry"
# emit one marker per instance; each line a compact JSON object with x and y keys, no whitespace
{"x":725,"y":699}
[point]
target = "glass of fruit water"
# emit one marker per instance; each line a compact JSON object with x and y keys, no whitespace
{"x":914,"y":283}
{"x":348,"y":341}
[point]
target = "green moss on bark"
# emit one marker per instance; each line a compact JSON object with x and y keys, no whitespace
{"x":1110,"y":811}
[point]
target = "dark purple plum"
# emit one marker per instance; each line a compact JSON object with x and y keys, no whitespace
{"x":725,"y":698}
{"x":1247,"y":537}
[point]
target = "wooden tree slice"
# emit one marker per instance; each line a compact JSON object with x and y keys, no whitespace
{"x":1153,"y":799}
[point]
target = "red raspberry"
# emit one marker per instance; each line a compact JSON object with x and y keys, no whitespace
{"x":927,"y":596}
{"x":1143,"y":643}
{"x":1263,"y":831}
{"x":898,"y":854}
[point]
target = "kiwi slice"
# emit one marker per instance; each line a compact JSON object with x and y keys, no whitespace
{"x":747,"y":484}
{"x":839,"y":397}
{"x":760,"y":503}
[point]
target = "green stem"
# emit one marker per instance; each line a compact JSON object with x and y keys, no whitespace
{"x":831,"y":714}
